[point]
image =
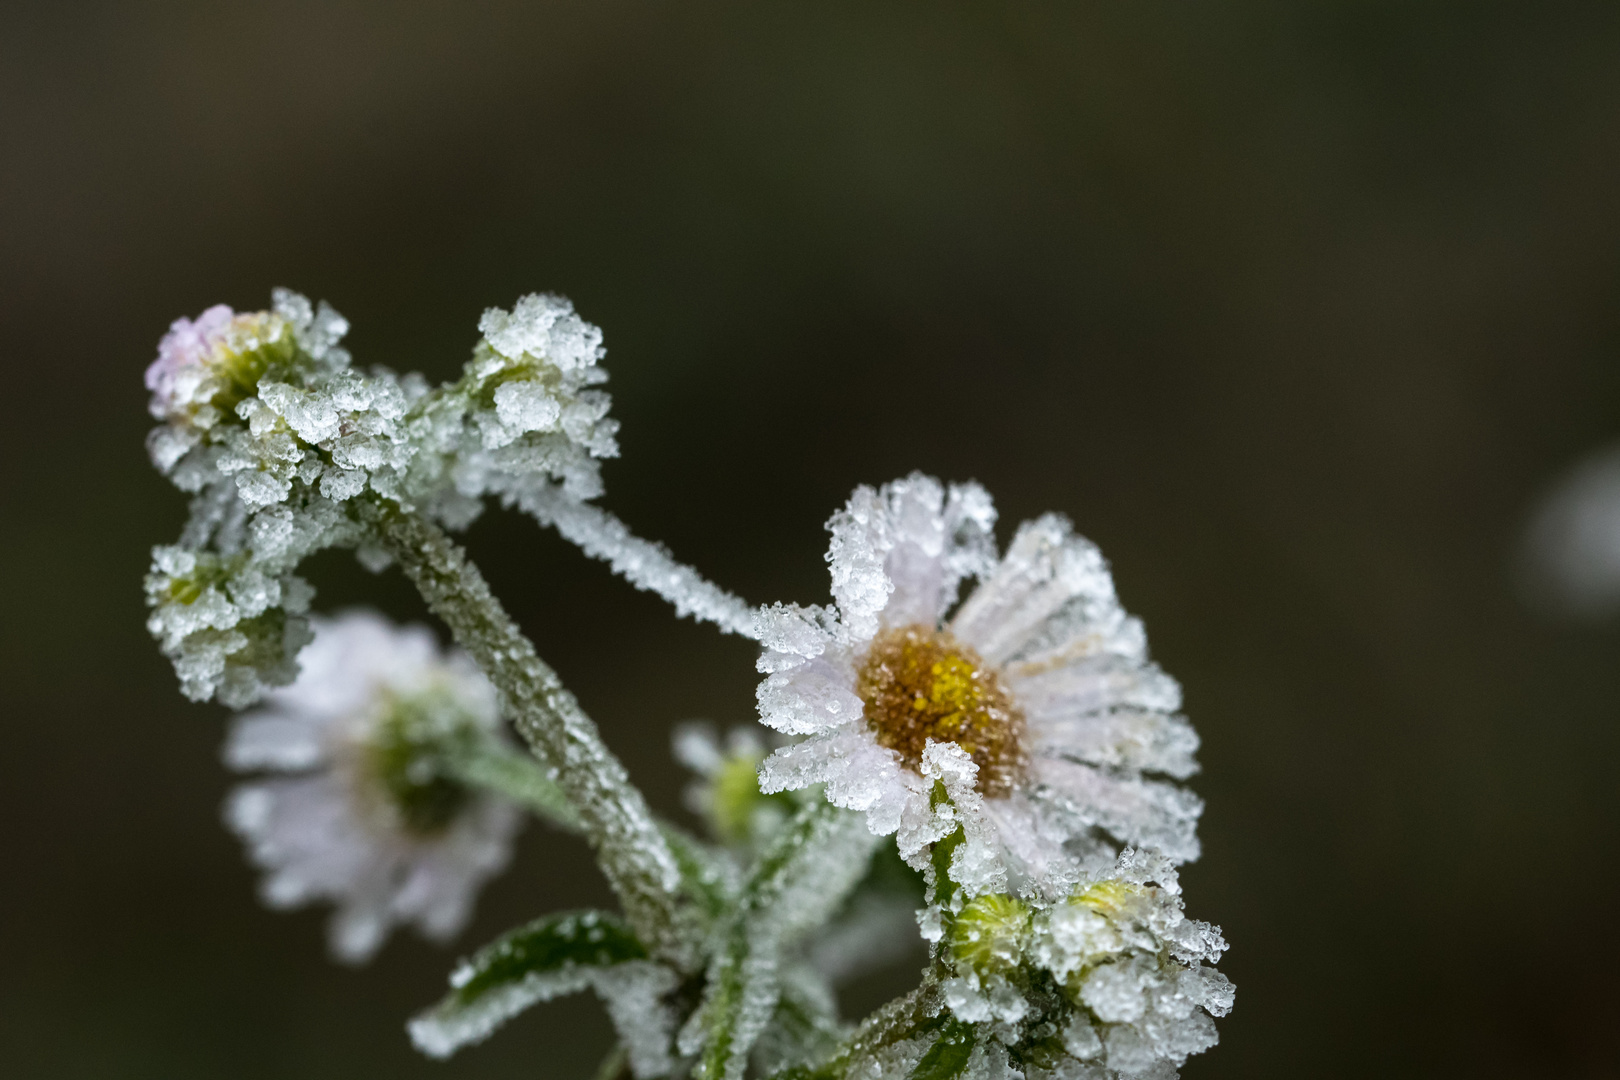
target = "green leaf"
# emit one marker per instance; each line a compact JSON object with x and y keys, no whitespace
{"x":520,"y":778}
{"x":948,"y":1057}
{"x":704,"y":878}
{"x":808,"y":869}
{"x":550,"y":957}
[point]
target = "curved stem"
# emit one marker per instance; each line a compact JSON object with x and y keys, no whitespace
{"x":643,"y":563}
{"x":612,"y":812}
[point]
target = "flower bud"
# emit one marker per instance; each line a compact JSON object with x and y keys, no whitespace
{"x":990,"y":933}
{"x":206,"y":366}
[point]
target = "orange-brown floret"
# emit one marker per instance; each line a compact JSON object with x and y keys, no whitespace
{"x":919,"y":683}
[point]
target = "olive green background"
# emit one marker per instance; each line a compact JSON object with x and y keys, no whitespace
{"x":1293,"y":307}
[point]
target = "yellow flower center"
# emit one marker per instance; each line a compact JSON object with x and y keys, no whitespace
{"x":919,"y":683}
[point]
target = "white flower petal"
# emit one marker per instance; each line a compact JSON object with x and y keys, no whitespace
{"x":274,"y":741}
{"x":1127,"y":739}
{"x":811,"y":698}
{"x":1048,"y":573}
{"x":1142,"y":812}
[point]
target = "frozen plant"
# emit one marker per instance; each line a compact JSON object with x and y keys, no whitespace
{"x":996,"y":713}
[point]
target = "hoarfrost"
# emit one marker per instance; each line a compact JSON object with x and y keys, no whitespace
{"x":798,"y":882}
{"x":263,"y":414}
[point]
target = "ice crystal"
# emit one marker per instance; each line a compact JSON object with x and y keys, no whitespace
{"x":362,"y":811}
{"x":1034,"y":705}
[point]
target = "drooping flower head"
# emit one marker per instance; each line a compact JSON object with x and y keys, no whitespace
{"x":369,"y":813}
{"x":1030,"y":717}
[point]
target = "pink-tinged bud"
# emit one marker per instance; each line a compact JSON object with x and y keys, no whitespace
{"x":215,"y":360}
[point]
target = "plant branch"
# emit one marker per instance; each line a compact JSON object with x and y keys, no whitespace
{"x":612,"y":812}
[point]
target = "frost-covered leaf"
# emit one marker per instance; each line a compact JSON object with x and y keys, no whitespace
{"x":550,"y":957}
{"x":948,"y":1057}
{"x":708,"y":878}
{"x":800,"y":879}
{"x":804,"y":1029}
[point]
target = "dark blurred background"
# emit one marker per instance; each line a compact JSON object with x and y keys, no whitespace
{"x":1294,"y":308}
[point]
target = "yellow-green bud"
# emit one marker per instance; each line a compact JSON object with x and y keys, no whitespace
{"x":989,"y":933}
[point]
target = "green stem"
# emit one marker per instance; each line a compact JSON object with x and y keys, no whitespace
{"x":612,"y":813}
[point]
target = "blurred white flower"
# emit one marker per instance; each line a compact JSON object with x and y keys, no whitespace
{"x":1574,"y":539}
{"x":369,"y":815}
{"x":1034,"y":705}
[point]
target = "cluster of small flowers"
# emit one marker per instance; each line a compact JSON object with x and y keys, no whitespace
{"x":276,"y":435}
{"x":1109,"y":979}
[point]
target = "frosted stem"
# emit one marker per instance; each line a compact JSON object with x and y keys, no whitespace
{"x":612,"y":813}
{"x":643,"y":563}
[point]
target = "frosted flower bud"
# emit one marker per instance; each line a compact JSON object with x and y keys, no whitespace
{"x":533,"y":368}
{"x":207,"y":365}
{"x":1110,"y":982}
{"x":1132,"y":967}
{"x":363,"y":808}
{"x":230,"y":629}
{"x":989,"y":934}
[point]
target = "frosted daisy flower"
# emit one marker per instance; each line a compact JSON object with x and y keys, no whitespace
{"x":371,"y":815}
{"x":1033,"y":707}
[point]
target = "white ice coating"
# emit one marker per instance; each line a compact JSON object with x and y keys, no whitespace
{"x":1137,"y":994}
{"x":796,"y":885}
{"x":633,"y":992}
{"x":1574,"y":539}
{"x":286,"y":457}
{"x":1125,"y":950}
{"x":323,"y":826}
{"x":643,"y":563}
{"x":1104,"y":737}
